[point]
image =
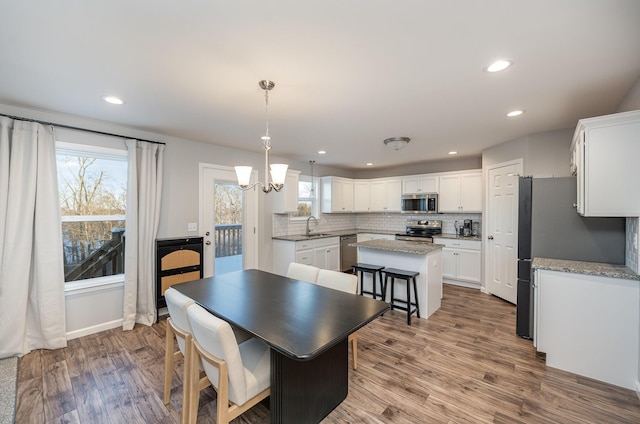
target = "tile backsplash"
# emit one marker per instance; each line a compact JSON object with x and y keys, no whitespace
{"x":394,"y":222}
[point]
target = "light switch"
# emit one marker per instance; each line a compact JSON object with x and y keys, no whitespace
{"x":192,"y":226}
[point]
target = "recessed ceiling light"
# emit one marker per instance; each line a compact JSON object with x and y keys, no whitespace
{"x":113,"y":100}
{"x":322,"y":152}
{"x":499,"y":65}
{"x":453,"y":152}
{"x":369,"y":163}
{"x":515,"y":113}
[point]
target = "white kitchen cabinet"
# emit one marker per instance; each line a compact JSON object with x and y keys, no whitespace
{"x":605,"y":152}
{"x":588,"y":325}
{"x":362,"y":196}
{"x":327,"y":257}
{"x":320,"y":252}
{"x":461,"y":261}
{"x":460,"y":192}
{"x":336,"y":194}
{"x":420,"y":184}
{"x":386,"y":195}
{"x":286,"y":200}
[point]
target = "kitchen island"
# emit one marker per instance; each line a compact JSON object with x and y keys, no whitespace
{"x":425,"y":258}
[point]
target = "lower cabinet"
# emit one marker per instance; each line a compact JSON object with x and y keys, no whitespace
{"x":461,"y":261}
{"x":322,"y":252}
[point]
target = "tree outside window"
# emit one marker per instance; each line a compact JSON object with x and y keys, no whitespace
{"x":92,"y":192}
{"x":306,"y":196}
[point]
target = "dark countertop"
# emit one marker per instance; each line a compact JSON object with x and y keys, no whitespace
{"x":400,"y":246}
{"x":326,"y":234}
{"x":587,"y":268}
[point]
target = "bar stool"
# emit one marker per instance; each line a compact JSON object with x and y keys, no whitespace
{"x":373,"y":270}
{"x":405,"y":305}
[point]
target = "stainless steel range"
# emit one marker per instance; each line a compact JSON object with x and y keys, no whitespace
{"x":421,"y":230}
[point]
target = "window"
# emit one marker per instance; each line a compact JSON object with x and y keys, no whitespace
{"x":92,"y":185}
{"x":307,"y":202}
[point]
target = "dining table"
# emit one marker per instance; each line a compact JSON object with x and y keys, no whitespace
{"x":306,"y":327}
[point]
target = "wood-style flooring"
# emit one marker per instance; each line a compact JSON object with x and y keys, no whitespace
{"x":463,"y":365}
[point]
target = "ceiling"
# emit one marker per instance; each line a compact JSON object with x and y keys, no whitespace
{"x":348,"y":74}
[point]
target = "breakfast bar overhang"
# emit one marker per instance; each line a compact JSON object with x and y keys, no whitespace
{"x":425,"y":258}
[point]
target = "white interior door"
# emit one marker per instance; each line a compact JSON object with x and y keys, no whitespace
{"x":210,"y":176}
{"x":501,"y":234}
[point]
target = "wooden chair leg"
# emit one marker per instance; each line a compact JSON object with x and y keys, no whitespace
{"x":194,"y":390}
{"x":222,"y":413}
{"x":168,"y":361}
{"x":186,"y":379}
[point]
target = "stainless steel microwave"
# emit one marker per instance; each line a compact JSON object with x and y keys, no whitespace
{"x":419,"y":203}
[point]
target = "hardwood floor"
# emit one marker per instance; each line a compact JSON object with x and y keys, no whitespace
{"x":465,"y":365}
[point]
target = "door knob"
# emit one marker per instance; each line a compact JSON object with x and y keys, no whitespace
{"x":490,"y":237}
{"x":208,"y":242}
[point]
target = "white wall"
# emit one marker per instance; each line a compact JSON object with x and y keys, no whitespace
{"x":632,"y":99}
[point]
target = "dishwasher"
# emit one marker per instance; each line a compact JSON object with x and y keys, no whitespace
{"x":348,"y":254}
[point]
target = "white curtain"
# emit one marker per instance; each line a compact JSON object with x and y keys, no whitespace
{"x":32,"y":314}
{"x":144,"y":189}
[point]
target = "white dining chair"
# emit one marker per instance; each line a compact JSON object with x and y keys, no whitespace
{"x":346,"y":283}
{"x":178,"y":328}
{"x":240,"y":373}
{"x":303,"y":272}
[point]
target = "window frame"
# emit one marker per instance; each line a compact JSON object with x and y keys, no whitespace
{"x":314,"y":200}
{"x":99,"y":152}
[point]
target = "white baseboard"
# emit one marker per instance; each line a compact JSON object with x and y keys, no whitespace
{"x":484,"y":290}
{"x":638,"y":388}
{"x":94,"y":329}
{"x":462,"y":284}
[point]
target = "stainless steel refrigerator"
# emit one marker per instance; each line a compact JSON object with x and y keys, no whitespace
{"x":550,"y":227}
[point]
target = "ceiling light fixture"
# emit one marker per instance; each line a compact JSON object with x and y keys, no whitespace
{"x":278,"y":170}
{"x":369,"y":164}
{"x":453,"y":152}
{"x":499,"y":65}
{"x":397,"y":143}
{"x":515,"y":113}
{"x":322,"y":152}
{"x":113,"y":100}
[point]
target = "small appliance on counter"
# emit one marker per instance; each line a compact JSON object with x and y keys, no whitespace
{"x":467,"y":228}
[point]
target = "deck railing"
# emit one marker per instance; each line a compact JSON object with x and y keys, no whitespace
{"x":228,"y":240}
{"x":107,"y":260}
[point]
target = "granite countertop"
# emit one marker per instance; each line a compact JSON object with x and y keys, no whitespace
{"x":457,"y":237}
{"x":326,"y":234}
{"x":587,"y":268}
{"x":415,"y":247}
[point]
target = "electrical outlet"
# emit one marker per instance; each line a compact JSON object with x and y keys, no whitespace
{"x":192,"y":226}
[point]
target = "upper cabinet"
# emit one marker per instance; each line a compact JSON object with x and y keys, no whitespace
{"x":386,"y":195}
{"x":605,"y":152}
{"x":420,"y":184}
{"x":337,"y":194}
{"x":460,"y":193}
{"x":286,"y":200}
{"x":362,"y":196}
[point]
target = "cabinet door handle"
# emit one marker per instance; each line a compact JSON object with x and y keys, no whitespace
{"x":490,"y":237}
{"x":208,"y":243}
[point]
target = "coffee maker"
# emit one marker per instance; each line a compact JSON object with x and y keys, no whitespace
{"x":466,"y":229}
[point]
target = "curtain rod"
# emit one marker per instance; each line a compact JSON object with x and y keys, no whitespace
{"x":69,"y":127}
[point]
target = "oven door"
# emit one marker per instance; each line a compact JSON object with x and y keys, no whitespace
{"x":423,"y":239}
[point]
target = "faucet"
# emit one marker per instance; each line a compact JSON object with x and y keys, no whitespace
{"x":308,"y":219}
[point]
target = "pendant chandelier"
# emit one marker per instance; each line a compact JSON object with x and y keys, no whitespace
{"x":278,"y":170}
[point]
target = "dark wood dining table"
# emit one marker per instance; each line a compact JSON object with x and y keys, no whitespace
{"x":306,"y":327}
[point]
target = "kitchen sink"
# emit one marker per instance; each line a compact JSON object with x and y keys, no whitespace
{"x":316,"y":235}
